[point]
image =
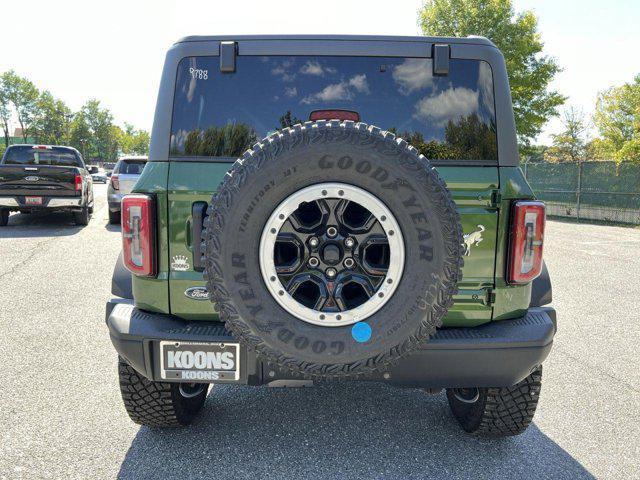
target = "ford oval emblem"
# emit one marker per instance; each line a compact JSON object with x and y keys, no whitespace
{"x":197,"y":293}
{"x":32,"y":178}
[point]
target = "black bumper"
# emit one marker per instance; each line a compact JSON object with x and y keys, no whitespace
{"x":497,"y":354}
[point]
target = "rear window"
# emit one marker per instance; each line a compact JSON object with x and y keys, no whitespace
{"x":222,"y":114}
{"x":130,"y":167}
{"x":27,"y":155}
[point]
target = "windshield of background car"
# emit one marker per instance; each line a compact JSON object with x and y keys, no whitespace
{"x":445,"y":117}
{"x":131,"y":167}
{"x":27,"y":155}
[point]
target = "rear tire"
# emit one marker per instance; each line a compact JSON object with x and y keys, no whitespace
{"x":159,"y":404}
{"x":497,"y":412}
{"x":114,"y":217}
{"x":82,"y":217}
{"x":4,"y":217}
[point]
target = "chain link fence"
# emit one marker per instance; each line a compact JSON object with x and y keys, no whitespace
{"x":605,"y":191}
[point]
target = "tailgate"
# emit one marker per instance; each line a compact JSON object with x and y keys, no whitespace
{"x":43,"y":180}
{"x":473,"y":190}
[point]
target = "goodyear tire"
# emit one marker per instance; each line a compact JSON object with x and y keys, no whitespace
{"x":373,"y":288}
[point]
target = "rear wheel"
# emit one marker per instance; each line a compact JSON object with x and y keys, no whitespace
{"x":4,"y":217}
{"x":82,"y":217}
{"x":159,"y":404}
{"x":497,"y":412}
{"x":114,"y":217}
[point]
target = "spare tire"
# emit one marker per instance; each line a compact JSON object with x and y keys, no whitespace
{"x":332,"y":249}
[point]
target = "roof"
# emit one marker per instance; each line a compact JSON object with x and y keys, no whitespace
{"x":134,"y":157}
{"x":473,"y":40}
{"x":31,"y":145}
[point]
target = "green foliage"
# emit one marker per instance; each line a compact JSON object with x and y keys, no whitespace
{"x":22,"y":96}
{"x":52,"y":120}
{"x":617,"y":118}
{"x":289,"y":120}
{"x":467,"y":139}
{"x":570,"y":145}
{"x":229,"y":141}
{"x":517,"y":37}
{"x":80,"y":136}
{"x":132,"y":141}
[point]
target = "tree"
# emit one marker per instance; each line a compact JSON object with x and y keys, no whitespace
{"x":52,"y":120}
{"x":617,"y":118}
{"x":570,"y":145}
{"x":5,"y":111}
{"x":23,"y":96}
{"x":517,"y":37}
{"x":99,"y":122}
{"x":133,"y":141}
{"x":80,"y":136}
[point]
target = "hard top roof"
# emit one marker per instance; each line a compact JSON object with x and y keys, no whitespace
{"x":470,"y":40}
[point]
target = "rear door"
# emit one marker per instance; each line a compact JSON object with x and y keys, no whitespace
{"x":448,"y":118}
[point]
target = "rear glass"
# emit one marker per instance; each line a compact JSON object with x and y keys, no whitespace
{"x":27,"y":155}
{"x":444,"y":117}
{"x":131,"y":167}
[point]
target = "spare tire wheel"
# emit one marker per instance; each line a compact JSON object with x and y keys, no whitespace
{"x":333,"y":249}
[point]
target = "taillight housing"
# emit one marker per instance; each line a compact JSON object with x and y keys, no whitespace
{"x":115,"y":182}
{"x":526,"y":241}
{"x":78,"y":182}
{"x":138,"y":234}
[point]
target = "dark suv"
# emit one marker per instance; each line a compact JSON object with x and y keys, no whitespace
{"x":324,"y":208}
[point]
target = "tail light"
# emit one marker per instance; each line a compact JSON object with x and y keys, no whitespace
{"x":78,"y":182}
{"x":115,"y":182}
{"x":138,"y":234}
{"x":527,"y":237}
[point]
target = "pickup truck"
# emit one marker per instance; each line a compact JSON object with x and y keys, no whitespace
{"x":45,"y":178}
{"x":320,"y":208}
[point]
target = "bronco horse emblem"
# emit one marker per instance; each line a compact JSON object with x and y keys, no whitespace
{"x":472,"y":239}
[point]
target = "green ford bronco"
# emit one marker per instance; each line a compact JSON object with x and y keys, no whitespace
{"x":330,"y":208}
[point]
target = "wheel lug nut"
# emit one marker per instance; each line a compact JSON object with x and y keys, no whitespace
{"x":313,"y":241}
{"x":331,"y":272}
{"x":332,"y":232}
{"x":349,"y":242}
{"x":349,"y":262}
{"x":314,"y":262}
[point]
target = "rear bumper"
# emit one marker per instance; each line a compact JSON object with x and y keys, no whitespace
{"x":114,"y":200}
{"x":497,"y":354}
{"x":19,"y":201}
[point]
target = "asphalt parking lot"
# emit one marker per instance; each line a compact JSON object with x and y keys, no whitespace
{"x":61,"y":414}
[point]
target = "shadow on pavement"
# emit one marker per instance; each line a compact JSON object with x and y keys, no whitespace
{"x":343,"y":430}
{"x":33,"y":225}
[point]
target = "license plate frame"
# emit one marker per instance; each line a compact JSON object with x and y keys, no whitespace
{"x":185,"y":367}
{"x":33,"y":200}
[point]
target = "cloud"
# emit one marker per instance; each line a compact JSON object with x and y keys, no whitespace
{"x":339,"y":91}
{"x":412,"y":75}
{"x":281,"y":71}
{"x":290,"y":91}
{"x":359,"y":82}
{"x":314,"y":68}
{"x":485,"y":83}
{"x":451,"y":103}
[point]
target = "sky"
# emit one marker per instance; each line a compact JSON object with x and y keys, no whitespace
{"x":114,"y":50}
